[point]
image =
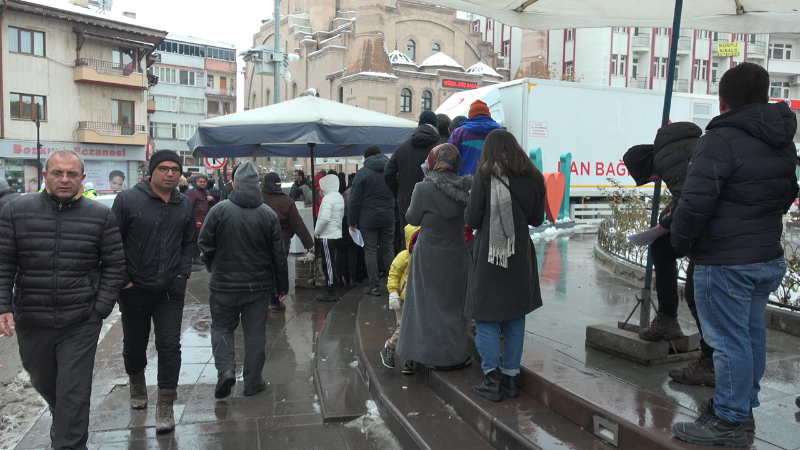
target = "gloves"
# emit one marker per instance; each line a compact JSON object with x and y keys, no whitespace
{"x":394,"y":300}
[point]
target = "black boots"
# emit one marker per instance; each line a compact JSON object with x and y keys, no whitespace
{"x":508,"y":385}
{"x":489,"y":388}
{"x":328,"y":296}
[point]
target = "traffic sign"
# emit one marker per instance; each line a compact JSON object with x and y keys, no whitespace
{"x":215,"y":163}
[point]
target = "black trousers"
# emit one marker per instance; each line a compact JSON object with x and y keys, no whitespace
{"x":165,"y":309}
{"x":666,"y":266}
{"x":347,"y":261}
{"x":60,"y":362}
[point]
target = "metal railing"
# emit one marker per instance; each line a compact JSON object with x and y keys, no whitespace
{"x":680,"y":85}
{"x":684,"y":43}
{"x":111,"y":129}
{"x":221,"y":92}
{"x":108,"y":67}
{"x":757,"y":47}
{"x":641,"y":40}
{"x":713,"y":89}
{"x":638,"y":82}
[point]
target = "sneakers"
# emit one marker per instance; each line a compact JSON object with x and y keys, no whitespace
{"x":707,"y":407}
{"x":508,"y":385}
{"x":699,"y":371}
{"x":489,"y":388}
{"x":277,"y":307}
{"x":408,"y":369}
{"x":387,"y":357}
{"x":253,"y":391}
{"x":662,"y":328}
{"x":224,"y":383}
{"x":711,"y":430}
{"x":374,"y":291}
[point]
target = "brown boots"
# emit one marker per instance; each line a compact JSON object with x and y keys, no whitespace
{"x":138,"y":388}
{"x":699,"y":371}
{"x":165,"y":419}
{"x":662,"y":328}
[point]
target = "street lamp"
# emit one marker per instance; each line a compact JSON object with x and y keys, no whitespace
{"x":36,"y":120}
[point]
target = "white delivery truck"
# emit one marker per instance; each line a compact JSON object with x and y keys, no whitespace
{"x":596,"y":124}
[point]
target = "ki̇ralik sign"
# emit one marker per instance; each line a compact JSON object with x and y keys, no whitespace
{"x":728,"y":48}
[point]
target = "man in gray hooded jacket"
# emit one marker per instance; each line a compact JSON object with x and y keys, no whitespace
{"x":242,"y":247}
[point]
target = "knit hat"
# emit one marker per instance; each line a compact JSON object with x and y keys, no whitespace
{"x":444,"y":158}
{"x":246,"y":176}
{"x":373,"y":150}
{"x":478,"y":108}
{"x":455,"y":123}
{"x":639,"y":162}
{"x":428,"y":118}
{"x":161,"y":156}
{"x":3,"y":184}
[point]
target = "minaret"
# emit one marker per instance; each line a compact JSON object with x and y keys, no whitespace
{"x":322,"y":13}
{"x":534,"y":55}
{"x":368,"y":50}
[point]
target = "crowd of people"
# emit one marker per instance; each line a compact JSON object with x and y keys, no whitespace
{"x":445,"y":219}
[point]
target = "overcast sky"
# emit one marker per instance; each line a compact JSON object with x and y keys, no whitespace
{"x":231,"y":21}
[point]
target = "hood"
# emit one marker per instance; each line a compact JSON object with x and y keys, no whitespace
{"x":424,"y":136}
{"x":144,"y":185}
{"x":317,"y":177}
{"x":772,"y":123}
{"x":481,"y":125}
{"x":377,"y":162}
{"x":411,"y":231}
{"x":246,"y":197}
{"x":676,"y":132}
{"x":455,"y":188}
{"x":329,"y":184}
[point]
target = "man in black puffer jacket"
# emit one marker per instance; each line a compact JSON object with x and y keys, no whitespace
{"x":62,"y":255}
{"x":6,"y":193}
{"x":242,"y":246}
{"x":741,"y":181}
{"x":160,"y":237}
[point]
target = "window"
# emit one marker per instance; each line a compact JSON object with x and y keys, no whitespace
{"x":476,"y":26}
{"x":701,"y":34}
{"x":122,"y":114}
{"x":780,"y":51}
{"x":634,"y":68}
{"x":210,"y":81}
{"x":427,"y":100}
{"x":704,"y":70}
{"x":166,"y":102}
{"x":186,"y":131}
{"x":213,"y":107}
{"x":253,"y":104}
{"x":489,"y":24}
{"x":124,"y":58}
{"x":163,"y":130}
{"x":696,"y":69}
{"x":221,"y":54}
{"x":165,"y":74}
{"x":636,"y":31}
{"x":569,"y":68}
{"x":25,"y":41}
{"x":187,"y":77}
{"x":341,"y":94}
{"x":193,"y":105}
{"x":570,"y":34}
{"x":614,"y":64}
{"x":226,"y":108}
{"x":411,"y":49}
{"x":27,"y":106}
{"x":751,"y":38}
{"x":294,"y":90}
{"x":714,"y":71}
{"x":267,"y":97}
{"x":506,"y":47}
{"x":779,"y":89}
{"x":405,"y":100}
{"x":660,"y":67}
{"x":436,"y":49}
{"x":622,"y":60}
{"x":620,"y":29}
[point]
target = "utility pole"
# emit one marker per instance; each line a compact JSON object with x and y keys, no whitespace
{"x":277,"y":62}
{"x":38,"y":146}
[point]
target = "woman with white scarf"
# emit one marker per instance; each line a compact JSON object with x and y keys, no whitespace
{"x":507,"y":195}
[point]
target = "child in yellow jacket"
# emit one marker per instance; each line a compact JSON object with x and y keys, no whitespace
{"x":398,"y":278}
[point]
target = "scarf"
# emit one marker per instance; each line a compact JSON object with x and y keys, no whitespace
{"x":501,"y":222}
{"x":444,"y":158}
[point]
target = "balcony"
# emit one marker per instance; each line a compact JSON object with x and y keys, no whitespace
{"x":680,"y":85}
{"x":684,"y":44}
{"x":108,"y":74}
{"x":640,"y":42}
{"x":713,"y":89}
{"x":230,"y":93}
{"x":111,"y":133}
{"x":784,"y":67}
{"x":638,"y":82}
{"x":151,"y":104}
{"x":757,"y":48}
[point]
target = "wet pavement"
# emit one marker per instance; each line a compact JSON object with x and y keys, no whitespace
{"x":576,"y":292}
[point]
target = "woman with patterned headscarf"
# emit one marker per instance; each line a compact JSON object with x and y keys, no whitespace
{"x":433,"y":329}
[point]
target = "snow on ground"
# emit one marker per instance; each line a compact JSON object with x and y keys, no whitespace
{"x":372,"y":426}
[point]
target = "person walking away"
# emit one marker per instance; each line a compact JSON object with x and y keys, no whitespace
{"x":741,"y":180}
{"x":88,"y":190}
{"x":668,"y":159}
{"x":61,"y":268}
{"x":329,"y":228}
{"x":507,"y":195}
{"x":433,"y":330}
{"x":202,"y":201}
{"x":242,"y":246}
{"x":290,"y":221}
{"x":455,"y":123}
{"x":156,"y":223}
{"x":469,"y":136}
{"x":6,"y":193}
{"x":214,"y":192}
{"x":396,"y":284}
{"x":443,"y":126}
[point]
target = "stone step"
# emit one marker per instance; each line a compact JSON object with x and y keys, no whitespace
{"x":341,"y":390}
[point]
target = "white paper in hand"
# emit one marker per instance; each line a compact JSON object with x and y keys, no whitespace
{"x":646,"y":237}
{"x":357,"y":238}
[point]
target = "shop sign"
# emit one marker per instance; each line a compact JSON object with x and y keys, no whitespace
{"x":27,"y":149}
{"x":728,"y":48}
{"x":458,"y":84}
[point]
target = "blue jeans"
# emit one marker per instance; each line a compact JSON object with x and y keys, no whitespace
{"x":731,"y":301}
{"x":487,"y":339}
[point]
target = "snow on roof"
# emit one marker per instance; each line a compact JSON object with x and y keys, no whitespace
{"x":483,"y":69}
{"x":396,"y":57}
{"x":377,"y":74}
{"x":91,"y":11}
{"x":196,"y":40}
{"x":440,"y":59}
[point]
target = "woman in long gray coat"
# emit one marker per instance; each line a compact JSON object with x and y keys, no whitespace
{"x":507,"y":195}
{"x":433,"y":330}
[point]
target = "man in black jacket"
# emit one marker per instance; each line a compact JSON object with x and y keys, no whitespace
{"x":62,"y":257}
{"x":741,"y":181}
{"x":242,"y":246}
{"x":6,"y":193}
{"x":160,"y":238}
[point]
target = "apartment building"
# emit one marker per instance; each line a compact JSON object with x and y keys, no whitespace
{"x":196,"y":80}
{"x":82,"y":72}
